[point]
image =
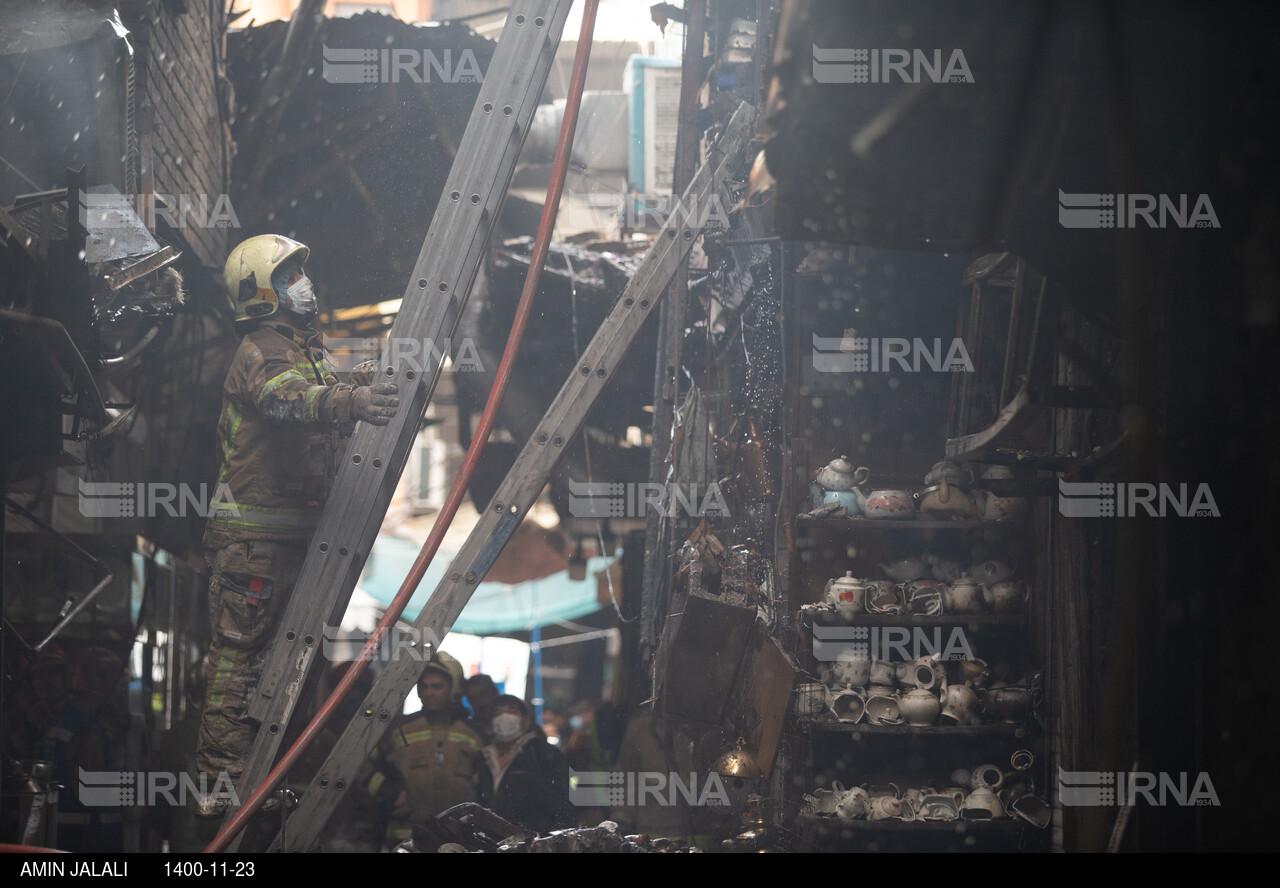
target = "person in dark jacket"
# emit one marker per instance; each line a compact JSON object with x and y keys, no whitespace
{"x":525,"y":778}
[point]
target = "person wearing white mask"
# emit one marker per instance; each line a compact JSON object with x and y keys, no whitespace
{"x":525,"y":778}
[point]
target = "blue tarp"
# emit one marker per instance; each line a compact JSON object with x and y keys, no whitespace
{"x":494,"y":607}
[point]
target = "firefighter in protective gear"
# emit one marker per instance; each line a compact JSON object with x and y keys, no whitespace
{"x":430,"y":762}
{"x":284,"y":416}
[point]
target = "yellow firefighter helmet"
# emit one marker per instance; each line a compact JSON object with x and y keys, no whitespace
{"x":249,"y":269}
{"x":450,"y":668}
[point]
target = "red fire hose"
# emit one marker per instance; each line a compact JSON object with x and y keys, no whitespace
{"x":545,"y":226}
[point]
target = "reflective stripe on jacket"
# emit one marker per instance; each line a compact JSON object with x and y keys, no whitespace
{"x":435,"y":764}
{"x":284,"y":415}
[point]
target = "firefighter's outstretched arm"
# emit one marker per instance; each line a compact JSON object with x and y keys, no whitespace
{"x":283,"y":394}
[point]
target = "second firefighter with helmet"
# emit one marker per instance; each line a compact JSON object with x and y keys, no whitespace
{"x":429,"y":761}
{"x":284,"y":417}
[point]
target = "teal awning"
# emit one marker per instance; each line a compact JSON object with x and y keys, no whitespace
{"x":494,"y":607}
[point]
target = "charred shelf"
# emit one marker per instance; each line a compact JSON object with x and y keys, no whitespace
{"x":836,"y":727}
{"x":905,"y":524}
{"x":957,"y":826}
{"x":922,"y":620}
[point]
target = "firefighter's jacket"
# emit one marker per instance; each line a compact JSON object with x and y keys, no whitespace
{"x":436,"y":763}
{"x":284,"y":418}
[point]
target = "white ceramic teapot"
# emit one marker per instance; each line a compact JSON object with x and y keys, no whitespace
{"x":887,"y":503}
{"x":834,"y":483}
{"x":964,"y":596}
{"x":839,"y":474}
{"x":851,"y":669}
{"x":990,"y":572}
{"x":845,"y":594}
{"x":961,"y":706}
{"x":997,"y":508}
{"x":904,"y":570}
{"x":944,"y":570}
{"x":1008,"y":597}
{"x":919,"y":707}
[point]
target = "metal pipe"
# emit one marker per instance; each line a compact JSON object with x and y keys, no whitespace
{"x":124,"y":359}
{"x":38,"y":522}
{"x":581,"y":636}
{"x":748,"y":241}
{"x":93,"y":593}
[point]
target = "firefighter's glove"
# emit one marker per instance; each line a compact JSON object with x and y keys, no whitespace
{"x":375,"y":404}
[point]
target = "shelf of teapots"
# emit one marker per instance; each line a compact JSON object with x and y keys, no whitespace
{"x":840,"y":494}
{"x":928,"y":696}
{"x":926,"y":589}
{"x":983,"y":796}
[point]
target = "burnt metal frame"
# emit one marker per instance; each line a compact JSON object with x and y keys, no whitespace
{"x":518,"y":491}
{"x":433,"y":301}
{"x":1018,"y":409}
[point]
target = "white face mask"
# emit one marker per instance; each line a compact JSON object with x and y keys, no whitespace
{"x":302,"y":298}
{"x":506,"y":727}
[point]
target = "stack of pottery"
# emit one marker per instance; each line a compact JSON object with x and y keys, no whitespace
{"x":916,"y":703}
{"x":840,"y":489}
{"x":834,"y":485}
{"x":846,"y":681}
{"x":928,"y":585}
{"x":985,"y":793}
{"x":884,"y":597}
{"x":920,"y":594}
{"x":846,"y":804}
{"x":921,"y":693}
